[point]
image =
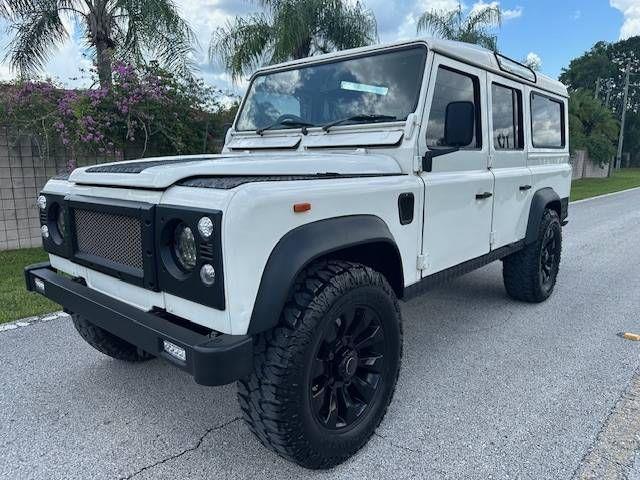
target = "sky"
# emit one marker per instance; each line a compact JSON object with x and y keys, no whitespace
{"x":549,"y":31}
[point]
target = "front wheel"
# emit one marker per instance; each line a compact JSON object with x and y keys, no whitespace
{"x":530,"y":274}
{"x":324,"y":378}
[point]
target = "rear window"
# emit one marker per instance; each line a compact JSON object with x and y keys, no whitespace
{"x":547,"y":122}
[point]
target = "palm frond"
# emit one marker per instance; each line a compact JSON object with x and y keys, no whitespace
{"x":439,"y":22}
{"x":242,"y":44}
{"x":38,"y":29}
{"x":347,"y":26}
{"x":154,"y":28}
{"x":488,"y":16}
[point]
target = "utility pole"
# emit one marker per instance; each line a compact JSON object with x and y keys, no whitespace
{"x":624,"y":114}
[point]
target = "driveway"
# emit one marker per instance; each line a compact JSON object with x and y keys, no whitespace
{"x":490,"y":388}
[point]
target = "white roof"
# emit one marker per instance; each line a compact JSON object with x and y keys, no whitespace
{"x":464,"y":52}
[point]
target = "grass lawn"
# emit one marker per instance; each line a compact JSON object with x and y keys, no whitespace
{"x":16,"y":302}
{"x":592,"y":187}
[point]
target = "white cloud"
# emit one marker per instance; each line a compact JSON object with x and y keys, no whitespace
{"x":577,"y":14}
{"x":533,"y":60}
{"x":507,"y":14}
{"x":631,"y":11}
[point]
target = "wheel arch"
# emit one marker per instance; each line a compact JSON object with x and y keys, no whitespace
{"x":360,"y":238}
{"x":545,"y":198}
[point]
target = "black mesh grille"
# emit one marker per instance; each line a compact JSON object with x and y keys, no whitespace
{"x":117,"y":238}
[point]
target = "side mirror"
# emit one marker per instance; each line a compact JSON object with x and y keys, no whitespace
{"x":459,"y":124}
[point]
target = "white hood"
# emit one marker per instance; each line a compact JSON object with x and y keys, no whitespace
{"x":162,"y":172}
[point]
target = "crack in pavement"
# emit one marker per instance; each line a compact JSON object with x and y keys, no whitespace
{"x":408,"y":449}
{"x":613,"y":451}
{"x":183,"y":452}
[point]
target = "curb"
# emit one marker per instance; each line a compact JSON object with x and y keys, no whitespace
{"x":25,"y":322}
{"x":604,"y":195}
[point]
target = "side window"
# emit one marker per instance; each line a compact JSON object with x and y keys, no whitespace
{"x":547,"y":122}
{"x":506,"y":106}
{"x":452,"y":86}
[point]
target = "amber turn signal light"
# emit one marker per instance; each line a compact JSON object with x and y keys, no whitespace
{"x":301,"y":207}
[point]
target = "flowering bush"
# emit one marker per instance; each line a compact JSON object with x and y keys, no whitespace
{"x":148,"y":111}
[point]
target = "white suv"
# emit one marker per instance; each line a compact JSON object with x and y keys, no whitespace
{"x":348,"y":181}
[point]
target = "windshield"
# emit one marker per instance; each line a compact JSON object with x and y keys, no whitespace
{"x":376,"y":86}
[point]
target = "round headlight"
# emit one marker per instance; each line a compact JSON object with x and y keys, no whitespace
{"x":60,"y":222}
{"x":205,"y":227}
{"x":207,"y":274}
{"x":41,"y":202}
{"x":184,"y":247}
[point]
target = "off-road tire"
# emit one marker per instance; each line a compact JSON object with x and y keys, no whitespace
{"x":276,"y":398}
{"x":521,"y":271}
{"x":108,"y":343}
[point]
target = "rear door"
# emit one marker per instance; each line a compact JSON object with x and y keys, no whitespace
{"x":508,"y":161}
{"x":459,"y":186}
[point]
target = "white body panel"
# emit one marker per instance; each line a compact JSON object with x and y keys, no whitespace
{"x":457,"y":226}
{"x":509,"y":168}
{"x":450,"y":224}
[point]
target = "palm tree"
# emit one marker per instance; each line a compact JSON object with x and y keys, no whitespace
{"x":452,"y":25}
{"x":129,"y":30}
{"x":291,"y":29}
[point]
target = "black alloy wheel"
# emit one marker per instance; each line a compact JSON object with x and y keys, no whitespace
{"x":347,"y":369}
{"x":549,"y":257}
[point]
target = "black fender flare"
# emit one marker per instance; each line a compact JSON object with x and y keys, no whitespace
{"x":301,"y":246}
{"x":542,"y":199}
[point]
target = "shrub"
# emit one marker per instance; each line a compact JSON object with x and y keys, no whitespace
{"x":147,"y":111}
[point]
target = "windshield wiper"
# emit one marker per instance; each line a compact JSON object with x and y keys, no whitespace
{"x":287,"y":122}
{"x":359,"y":118}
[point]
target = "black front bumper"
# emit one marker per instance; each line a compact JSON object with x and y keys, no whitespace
{"x":211,"y":359}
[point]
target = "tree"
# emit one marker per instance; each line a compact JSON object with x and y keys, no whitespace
{"x":592,"y":127}
{"x":116,"y":30}
{"x":453,"y":25}
{"x":607,"y":62}
{"x":533,"y":61}
{"x":291,"y":29}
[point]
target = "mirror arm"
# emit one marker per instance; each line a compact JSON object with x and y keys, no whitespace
{"x":427,"y":158}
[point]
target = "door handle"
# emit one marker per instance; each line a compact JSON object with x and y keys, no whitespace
{"x":524,"y":188}
{"x":483,"y":196}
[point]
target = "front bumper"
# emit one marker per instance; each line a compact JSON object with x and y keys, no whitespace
{"x":212,"y":360}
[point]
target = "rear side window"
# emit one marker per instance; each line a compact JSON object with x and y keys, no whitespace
{"x":547,"y":122}
{"x":506,"y":107}
{"x":452,"y":86}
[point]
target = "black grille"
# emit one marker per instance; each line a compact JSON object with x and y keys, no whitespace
{"x":117,"y":238}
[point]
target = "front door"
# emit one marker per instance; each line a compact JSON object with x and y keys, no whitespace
{"x":513,"y":190}
{"x":459,"y":187}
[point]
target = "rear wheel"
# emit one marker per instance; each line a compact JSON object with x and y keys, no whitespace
{"x":323,"y":379}
{"x":108,"y":343}
{"x":530,"y":274}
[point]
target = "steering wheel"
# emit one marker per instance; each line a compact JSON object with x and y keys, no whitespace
{"x":290,"y":116}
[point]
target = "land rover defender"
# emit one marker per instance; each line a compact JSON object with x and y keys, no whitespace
{"x":347,"y":182}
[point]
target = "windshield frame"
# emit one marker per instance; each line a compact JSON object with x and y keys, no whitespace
{"x":310,"y":62}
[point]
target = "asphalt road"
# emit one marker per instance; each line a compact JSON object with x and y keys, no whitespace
{"x":490,"y":388}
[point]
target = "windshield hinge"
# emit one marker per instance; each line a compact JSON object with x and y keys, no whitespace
{"x":423,"y":262}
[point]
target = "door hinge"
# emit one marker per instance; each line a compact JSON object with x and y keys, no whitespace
{"x":492,"y":239}
{"x":423,"y":262}
{"x":417,"y":163}
{"x":490,"y":161}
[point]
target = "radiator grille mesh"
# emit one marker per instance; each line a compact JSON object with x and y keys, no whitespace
{"x":117,"y":238}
